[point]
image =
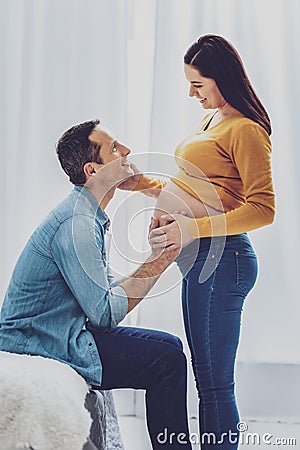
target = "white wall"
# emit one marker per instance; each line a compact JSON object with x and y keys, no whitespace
{"x":265,"y":34}
{"x":65,"y":61}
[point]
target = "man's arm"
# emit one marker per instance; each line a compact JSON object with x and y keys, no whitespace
{"x":79,"y":258}
{"x":143,"y":279}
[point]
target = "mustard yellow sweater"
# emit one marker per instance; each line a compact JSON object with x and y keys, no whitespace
{"x":228,"y":168}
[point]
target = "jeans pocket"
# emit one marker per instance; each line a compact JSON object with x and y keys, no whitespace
{"x":246,"y":270}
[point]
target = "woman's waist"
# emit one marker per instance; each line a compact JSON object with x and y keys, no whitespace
{"x":236,"y":242}
{"x":214,"y":248}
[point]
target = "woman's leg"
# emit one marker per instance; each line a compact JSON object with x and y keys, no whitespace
{"x":212,"y":312}
{"x":151,"y":360}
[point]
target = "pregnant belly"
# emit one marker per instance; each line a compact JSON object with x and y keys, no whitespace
{"x":173,"y":198}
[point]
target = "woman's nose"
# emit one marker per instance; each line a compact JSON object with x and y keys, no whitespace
{"x":192,"y":91}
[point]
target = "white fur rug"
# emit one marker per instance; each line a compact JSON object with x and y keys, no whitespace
{"x":41,"y":404}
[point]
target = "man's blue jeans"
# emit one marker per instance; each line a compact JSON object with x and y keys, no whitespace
{"x":212,"y":307}
{"x":152,"y":360}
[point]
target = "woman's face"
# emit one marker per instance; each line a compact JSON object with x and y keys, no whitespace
{"x":205,"y":89}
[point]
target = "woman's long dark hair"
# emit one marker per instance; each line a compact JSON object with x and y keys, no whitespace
{"x":216,"y":58}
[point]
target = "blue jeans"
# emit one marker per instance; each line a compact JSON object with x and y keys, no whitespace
{"x":152,"y":360}
{"x":212,"y":316}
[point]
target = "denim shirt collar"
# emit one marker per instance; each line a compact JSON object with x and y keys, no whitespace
{"x":101,"y":215}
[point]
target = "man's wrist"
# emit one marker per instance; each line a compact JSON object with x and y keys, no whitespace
{"x":163,"y":257}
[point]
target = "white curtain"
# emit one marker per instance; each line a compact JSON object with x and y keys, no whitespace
{"x":66,"y":61}
{"x":266,"y":33}
{"x":56,"y":69}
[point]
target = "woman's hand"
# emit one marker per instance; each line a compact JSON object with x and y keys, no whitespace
{"x":176,"y":234}
{"x":131,"y":182}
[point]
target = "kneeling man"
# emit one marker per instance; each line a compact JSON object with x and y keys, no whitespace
{"x":61,"y":302}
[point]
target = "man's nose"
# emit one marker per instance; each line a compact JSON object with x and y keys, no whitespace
{"x":125,"y":150}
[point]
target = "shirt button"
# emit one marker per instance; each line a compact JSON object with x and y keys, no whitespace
{"x":90,"y":344}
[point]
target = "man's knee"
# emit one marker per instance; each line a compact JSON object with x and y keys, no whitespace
{"x":173,"y":340}
{"x":174,"y":359}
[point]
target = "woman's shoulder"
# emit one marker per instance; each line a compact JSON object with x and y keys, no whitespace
{"x":241,"y":122}
{"x":244,"y":125}
{"x":245,"y":133}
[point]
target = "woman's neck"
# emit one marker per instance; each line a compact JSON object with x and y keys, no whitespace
{"x":226,"y":110}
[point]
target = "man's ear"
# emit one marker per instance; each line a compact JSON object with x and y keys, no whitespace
{"x":89,"y":168}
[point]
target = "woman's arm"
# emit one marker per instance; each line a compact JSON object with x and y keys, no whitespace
{"x":150,"y":186}
{"x":250,"y":153}
{"x":140,"y":182}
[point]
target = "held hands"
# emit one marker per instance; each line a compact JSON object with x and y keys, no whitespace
{"x":174,"y":235}
{"x":131,"y":182}
{"x":168,"y":254}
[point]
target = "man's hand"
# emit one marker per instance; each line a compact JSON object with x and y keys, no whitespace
{"x":175,"y":235}
{"x":131,"y":182}
{"x":165,"y":253}
{"x":143,"y":279}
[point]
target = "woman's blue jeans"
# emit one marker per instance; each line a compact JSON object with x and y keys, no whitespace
{"x":212,"y":301}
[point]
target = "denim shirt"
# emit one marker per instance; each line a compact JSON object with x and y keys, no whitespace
{"x":61,"y":284}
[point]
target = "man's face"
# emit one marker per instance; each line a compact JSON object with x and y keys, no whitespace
{"x":113,"y":154}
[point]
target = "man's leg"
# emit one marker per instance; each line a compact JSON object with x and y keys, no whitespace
{"x":152,"y":360}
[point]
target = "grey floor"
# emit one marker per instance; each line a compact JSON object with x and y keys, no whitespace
{"x":276,"y":435}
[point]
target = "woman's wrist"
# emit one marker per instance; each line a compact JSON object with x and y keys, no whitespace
{"x":193,"y":229}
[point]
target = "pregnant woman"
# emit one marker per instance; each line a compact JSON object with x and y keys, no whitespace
{"x":224,"y":184}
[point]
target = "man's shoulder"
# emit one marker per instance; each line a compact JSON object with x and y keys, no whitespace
{"x":63,"y":214}
{"x":76,"y":210}
{"x":75,"y":204}
{"x":64,"y":209}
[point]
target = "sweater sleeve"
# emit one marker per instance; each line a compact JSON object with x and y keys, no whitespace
{"x":251,"y":155}
{"x":150,"y":186}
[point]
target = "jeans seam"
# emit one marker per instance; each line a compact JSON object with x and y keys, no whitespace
{"x":236,"y":253}
{"x":188,"y":325}
{"x":209,"y":347}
